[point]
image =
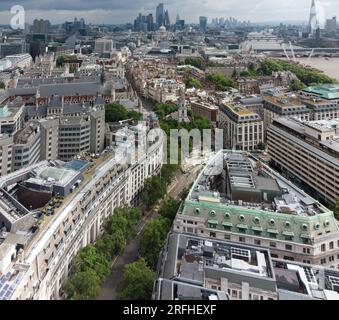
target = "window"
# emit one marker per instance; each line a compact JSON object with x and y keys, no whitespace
{"x":323,"y":261}
{"x":257,"y":242}
{"x":331,"y":245}
{"x":242,"y":239}
{"x":273,"y":244}
{"x":331,"y":258}
{"x":227,"y":237}
{"x":323,"y":247}
{"x":212,"y":234}
{"x":307,"y":250}
{"x":288,"y":247}
{"x":234,"y":294}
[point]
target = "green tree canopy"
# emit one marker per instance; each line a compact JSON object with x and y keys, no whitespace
{"x":154,"y":190}
{"x":83,"y":286}
{"x":153,"y":239}
{"x":137,"y":282}
{"x":196,"y":62}
{"x":115,"y":112}
{"x":169,"y":209}
{"x":221,"y":81}
{"x":336,"y":209}
{"x":89,"y":258}
{"x":193,"y":83}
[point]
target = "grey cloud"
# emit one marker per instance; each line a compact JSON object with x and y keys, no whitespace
{"x":118,"y":11}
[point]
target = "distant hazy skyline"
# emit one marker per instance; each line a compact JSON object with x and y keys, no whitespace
{"x":122,"y":11}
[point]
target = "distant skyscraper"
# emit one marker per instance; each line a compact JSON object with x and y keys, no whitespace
{"x":159,"y":15}
{"x":331,"y":25}
{"x":41,"y":26}
{"x":167,"y":22}
{"x":203,"y":24}
{"x":313,"y":22}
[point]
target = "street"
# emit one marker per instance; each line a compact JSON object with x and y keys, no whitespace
{"x":108,"y":288}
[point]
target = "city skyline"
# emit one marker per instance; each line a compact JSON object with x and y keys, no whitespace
{"x":120,"y":12}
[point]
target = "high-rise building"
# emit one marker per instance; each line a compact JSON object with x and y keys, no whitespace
{"x":103,"y":46}
{"x":203,"y":24}
{"x":331,"y":25}
{"x":167,"y":22}
{"x":313,"y":21}
{"x":307,"y":151}
{"x":41,"y":26}
{"x":159,"y":15}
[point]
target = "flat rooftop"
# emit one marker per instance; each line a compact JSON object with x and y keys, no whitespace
{"x":285,"y":101}
{"x":328,"y":91}
{"x":246,"y":176}
{"x":193,"y":260}
{"x":304,"y":281}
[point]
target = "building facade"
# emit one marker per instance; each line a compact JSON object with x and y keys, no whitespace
{"x":243,"y":128}
{"x":309,"y":151}
{"x":40,"y":271}
{"x":239,"y":199}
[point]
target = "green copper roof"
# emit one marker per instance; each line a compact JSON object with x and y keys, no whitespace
{"x":227,"y":224}
{"x":288,"y":234}
{"x":258,"y":229}
{"x":330,"y":91}
{"x":301,"y":228}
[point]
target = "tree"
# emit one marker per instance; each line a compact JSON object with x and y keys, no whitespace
{"x":336,"y":210}
{"x":196,"y":62}
{"x":153,"y":239}
{"x":2,"y":85}
{"x":115,"y":112}
{"x":221,"y":81}
{"x":72,"y":68}
{"x":296,"y":85}
{"x":137,"y":282}
{"x":89,"y":258}
{"x":83,"y":286}
{"x":154,"y":189}
{"x":110,"y":245}
{"x":169,"y":209}
{"x":193,"y":83}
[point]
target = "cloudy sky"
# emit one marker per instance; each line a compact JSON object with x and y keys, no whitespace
{"x":121,"y":11}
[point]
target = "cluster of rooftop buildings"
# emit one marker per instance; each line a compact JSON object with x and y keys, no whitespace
{"x":194,"y":268}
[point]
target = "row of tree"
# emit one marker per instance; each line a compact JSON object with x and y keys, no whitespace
{"x":138,"y":277}
{"x":92,"y":264}
{"x":306,"y":76}
{"x":115,"y":112}
{"x":221,"y":81}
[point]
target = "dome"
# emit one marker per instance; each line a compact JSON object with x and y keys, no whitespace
{"x":162,"y":29}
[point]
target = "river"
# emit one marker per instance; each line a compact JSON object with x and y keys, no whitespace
{"x":330,"y":66}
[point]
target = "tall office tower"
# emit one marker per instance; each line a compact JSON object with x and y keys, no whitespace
{"x":41,"y":26}
{"x":150,"y":22}
{"x":313,"y":22}
{"x":331,"y":25}
{"x":167,"y":22}
{"x":159,"y":15}
{"x":203,"y":24}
